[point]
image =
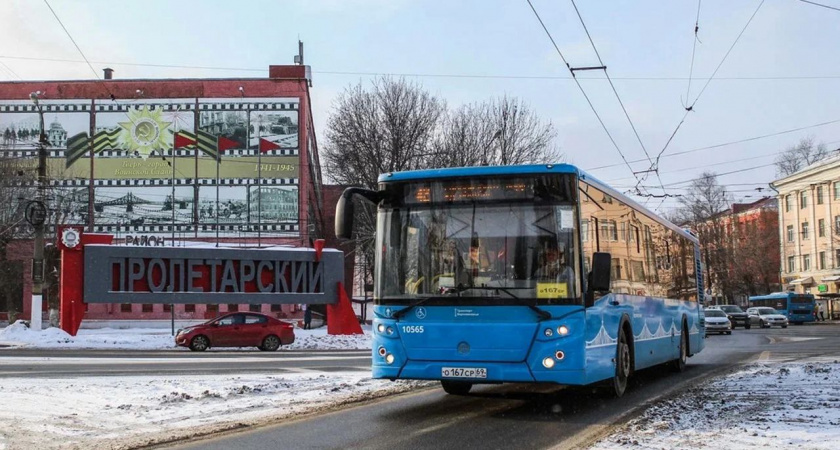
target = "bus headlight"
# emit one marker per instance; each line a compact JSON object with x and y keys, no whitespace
{"x":389,"y":330}
{"x":548,"y":332}
{"x":548,"y":362}
{"x":562,"y":330}
{"x":381,"y":328}
{"x":389,"y":358}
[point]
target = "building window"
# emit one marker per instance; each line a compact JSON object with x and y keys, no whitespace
{"x":819,"y":195}
{"x":255,"y":308}
{"x":167,"y":307}
{"x":836,"y":224}
{"x":806,"y":263}
{"x":233,"y":308}
{"x":616,"y":269}
{"x":148,"y":307}
{"x":787,"y":203}
{"x":803,"y":199}
{"x":792,"y":263}
{"x":821,"y":223}
{"x":804,"y":230}
{"x":837,"y":258}
{"x":213,"y":308}
{"x":837,"y":190}
{"x":276,"y":308}
{"x":189,"y":307}
{"x":821,"y":262}
{"x":790,"y":233}
{"x":125,"y":307}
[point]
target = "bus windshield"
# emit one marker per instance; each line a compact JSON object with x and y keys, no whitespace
{"x":455,"y":243}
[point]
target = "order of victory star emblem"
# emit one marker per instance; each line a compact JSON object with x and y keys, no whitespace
{"x":146,"y":131}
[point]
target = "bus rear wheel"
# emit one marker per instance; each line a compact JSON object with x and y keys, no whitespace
{"x":679,"y":364}
{"x":456,"y":387}
{"x":622,"y":365}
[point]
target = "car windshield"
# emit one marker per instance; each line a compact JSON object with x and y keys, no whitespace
{"x":731,"y":309}
{"x":715,"y":313}
{"x":464,"y":243}
{"x":766,"y":311}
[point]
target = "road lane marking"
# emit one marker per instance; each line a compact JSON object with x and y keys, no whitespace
{"x":39,"y":360}
{"x":764,"y":356}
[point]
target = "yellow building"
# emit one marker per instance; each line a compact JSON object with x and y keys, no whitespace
{"x":809,"y":229}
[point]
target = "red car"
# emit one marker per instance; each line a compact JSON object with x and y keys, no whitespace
{"x":237,"y":330}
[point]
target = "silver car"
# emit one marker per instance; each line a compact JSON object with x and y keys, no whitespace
{"x":767,"y":317}
{"x":717,"y":322}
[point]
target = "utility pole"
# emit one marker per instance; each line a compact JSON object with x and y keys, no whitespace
{"x":38,"y":257}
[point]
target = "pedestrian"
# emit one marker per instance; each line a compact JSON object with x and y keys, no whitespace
{"x":307,"y":317}
{"x":816,"y":312}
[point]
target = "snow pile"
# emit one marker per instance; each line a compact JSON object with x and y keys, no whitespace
{"x":161,"y":339}
{"x":318,"y":339}
{"x":104,"y":338}
{"x":124,"y":412}
{"x":779,"y":405}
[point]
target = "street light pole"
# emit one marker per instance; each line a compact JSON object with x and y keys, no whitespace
{"x":38,"y":256}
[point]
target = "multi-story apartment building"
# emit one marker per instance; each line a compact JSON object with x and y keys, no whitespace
{"x":809,"y":229}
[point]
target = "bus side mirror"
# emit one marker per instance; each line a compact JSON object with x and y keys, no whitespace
{"x":599,"y":278}
{"x":344,"y":210}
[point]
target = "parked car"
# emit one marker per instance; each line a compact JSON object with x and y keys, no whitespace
{"x":237,"y":330}
{"x":736,"y":315}
{"x":717,"y":322}
{"x":766,"y":317}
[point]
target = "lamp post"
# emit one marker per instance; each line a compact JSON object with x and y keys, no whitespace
{"x":38,"y":256}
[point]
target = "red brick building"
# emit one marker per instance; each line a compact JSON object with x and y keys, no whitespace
{"x":171,"y":161}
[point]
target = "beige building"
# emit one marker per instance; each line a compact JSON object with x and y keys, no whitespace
{"x":809,"y":229}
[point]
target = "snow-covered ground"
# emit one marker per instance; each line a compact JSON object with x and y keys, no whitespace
{"x":156,"y":339}
{"x":775,"y":405}
{"x":125,"y":412}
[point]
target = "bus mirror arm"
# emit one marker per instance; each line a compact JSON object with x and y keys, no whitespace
{"x":597,"y":280}
{"x":344,"y":210}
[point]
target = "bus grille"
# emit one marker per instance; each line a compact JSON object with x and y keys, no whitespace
{"x":801,"y":311}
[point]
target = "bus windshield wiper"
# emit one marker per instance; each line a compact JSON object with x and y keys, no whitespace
{"x":544,"y":315}
{"x":418,"y":302}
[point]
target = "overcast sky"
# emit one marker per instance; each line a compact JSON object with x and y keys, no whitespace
{"x":783,"y":74}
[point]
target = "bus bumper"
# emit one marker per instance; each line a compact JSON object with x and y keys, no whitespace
{"x":496,"y":372}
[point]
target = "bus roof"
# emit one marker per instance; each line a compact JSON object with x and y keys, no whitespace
{"x":778,"y":295}
{"x":532,"y":169}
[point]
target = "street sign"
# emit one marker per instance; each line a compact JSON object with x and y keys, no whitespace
{"x":36,"y":213}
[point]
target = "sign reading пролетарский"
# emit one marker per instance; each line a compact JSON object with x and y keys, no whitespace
{"x":122,"y":274}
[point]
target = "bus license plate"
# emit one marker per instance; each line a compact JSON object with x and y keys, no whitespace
{"x":463,"y":372}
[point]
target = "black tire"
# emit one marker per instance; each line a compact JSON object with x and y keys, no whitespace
{"x":729,"y":333}
{"x":678,"y":365}
{"x":199,"y":343}
{"x":747,"y":326}
{"x":761,"y":324}
{"x":784,"y":326}
{"x":623,"y":365}
{"x":456,"y":387}
{"x":270,"y":344}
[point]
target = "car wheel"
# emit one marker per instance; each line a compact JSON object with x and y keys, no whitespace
{"x":784,"y":326}
{"x":729,"y":332}
{"x":199,"y":343}
{"x":747,"y":326}
{"x":270,"y":343}
{"x":456,"y":387}
{"x":678,"y":365}
{"x":762,"y":324}
{"x":622,"y":365}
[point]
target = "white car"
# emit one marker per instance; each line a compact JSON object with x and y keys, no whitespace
{"x":766,"y":317}
{"x":717,"y":322}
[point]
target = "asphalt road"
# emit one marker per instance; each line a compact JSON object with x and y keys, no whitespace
{"x":75,"y":363}
{"x":521,"y":416}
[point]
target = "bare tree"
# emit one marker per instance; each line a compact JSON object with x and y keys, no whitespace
{"x":704,"y":208}
{"x":15,"y":188}
{"x":497,"y":132}
{"x":389,"y":127}
{"x":799,"y":156}
{"x":756,"y":252}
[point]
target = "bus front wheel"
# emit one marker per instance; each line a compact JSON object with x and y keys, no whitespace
{"x":456,"y":387}
{"x":622,"y":365}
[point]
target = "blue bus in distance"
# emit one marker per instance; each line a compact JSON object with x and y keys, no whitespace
{"x":799,"y":308}
{"x":526,"y":274}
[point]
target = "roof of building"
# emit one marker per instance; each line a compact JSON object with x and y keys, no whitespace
{"x":818,"y":166}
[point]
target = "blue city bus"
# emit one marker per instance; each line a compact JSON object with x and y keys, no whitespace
{"x":526,"y":274}
{"x":799,"y":308}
